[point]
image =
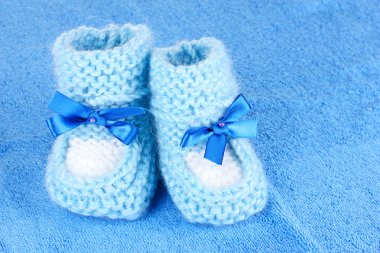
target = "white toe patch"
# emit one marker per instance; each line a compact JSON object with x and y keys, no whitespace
{"x":93,"y":158}
{"x":211,"y":175}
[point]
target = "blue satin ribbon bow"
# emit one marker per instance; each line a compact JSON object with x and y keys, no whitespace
{"x":217,"y":133}
{"x":73,"y":114}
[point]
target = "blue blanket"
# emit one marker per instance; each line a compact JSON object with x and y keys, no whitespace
{"x":312,"y":68}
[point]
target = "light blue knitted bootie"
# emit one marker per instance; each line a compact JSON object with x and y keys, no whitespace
{"x":90,"y":171}
{"x":192,"y":85}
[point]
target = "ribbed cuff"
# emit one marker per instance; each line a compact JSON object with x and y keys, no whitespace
{"x":192,"y":81}
{"x":103,"y":67}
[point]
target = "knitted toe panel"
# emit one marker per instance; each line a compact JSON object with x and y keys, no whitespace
{"x":105,"y":69}
{"x":192,"y":84}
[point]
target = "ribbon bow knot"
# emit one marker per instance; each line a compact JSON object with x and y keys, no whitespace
{"x":96,"y":119}
{"x":220,"y":128}
{"x":217,"y":134}
{"x":73,"y":114}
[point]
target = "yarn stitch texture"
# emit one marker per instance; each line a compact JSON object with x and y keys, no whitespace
{"x":192,"y":84}
{"x":105,"y":68}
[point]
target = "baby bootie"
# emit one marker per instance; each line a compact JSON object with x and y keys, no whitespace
{"x":212,"y":174}
{"x":103,"y":160}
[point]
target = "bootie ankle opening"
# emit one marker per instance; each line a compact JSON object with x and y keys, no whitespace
{"x":187,"y":54}
{"x":101,"y":39}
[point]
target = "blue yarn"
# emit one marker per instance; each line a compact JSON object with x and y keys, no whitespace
{"x":105,"y":69}
{"x":192,"y":84}
{"x":311,"y":68}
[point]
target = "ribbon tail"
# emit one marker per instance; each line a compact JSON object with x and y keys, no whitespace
{"x":215,"y":148}
{"x":59,"y":125}
{"x":123,"y":131}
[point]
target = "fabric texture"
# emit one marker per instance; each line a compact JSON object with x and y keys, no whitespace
{"x":104,"y":69}
{"x":312,"y":71}
{"x":192,"y":84}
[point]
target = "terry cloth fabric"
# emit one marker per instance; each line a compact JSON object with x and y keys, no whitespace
{"x":312,"y":71}
{"x":102,"y":69}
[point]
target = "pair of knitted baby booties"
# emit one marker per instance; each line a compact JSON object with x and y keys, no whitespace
{"x":127,"y":110}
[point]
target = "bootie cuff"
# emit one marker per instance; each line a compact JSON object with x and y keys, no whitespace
{"x":103,"y":67}
{"x":192,"y":72}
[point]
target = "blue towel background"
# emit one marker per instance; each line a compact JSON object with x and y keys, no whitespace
{"x":312,"y":68}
